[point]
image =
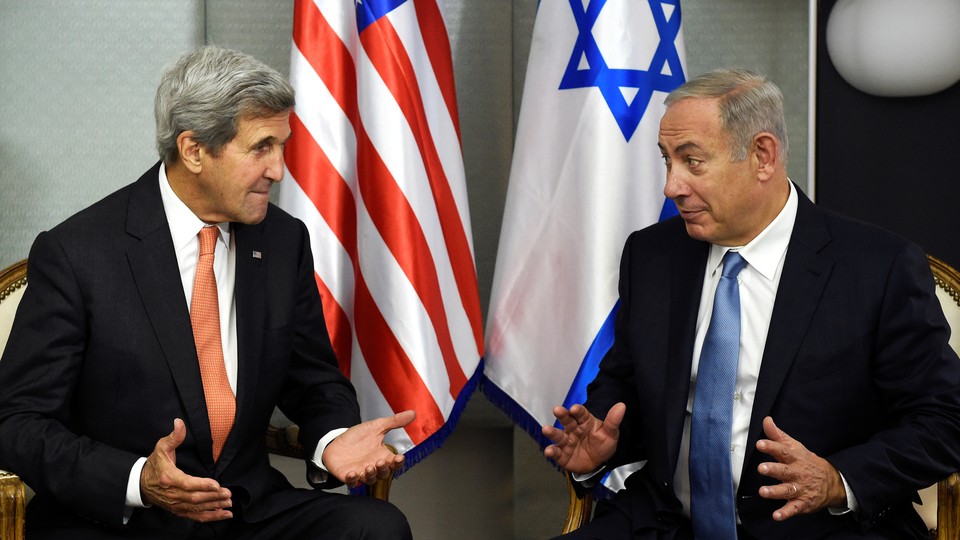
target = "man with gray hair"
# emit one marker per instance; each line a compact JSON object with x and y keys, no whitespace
{"x":783,"y":371}
{"x":163,"y":325}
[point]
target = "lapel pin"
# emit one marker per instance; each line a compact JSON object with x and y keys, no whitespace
{"x":257,"y":254}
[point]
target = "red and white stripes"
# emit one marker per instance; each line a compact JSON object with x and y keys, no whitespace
{"x":375,"y":170}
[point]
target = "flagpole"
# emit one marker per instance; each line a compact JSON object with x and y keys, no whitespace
{"x":812,"y":104}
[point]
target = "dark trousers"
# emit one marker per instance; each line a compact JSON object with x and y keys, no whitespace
{"x":326,"y":516}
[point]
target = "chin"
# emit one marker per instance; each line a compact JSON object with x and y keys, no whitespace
{"x":253,"y":218}
{"x":696,"y":232}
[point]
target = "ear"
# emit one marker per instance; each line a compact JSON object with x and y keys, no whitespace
{"x":190,"y":151}
{"x":766,"y":153}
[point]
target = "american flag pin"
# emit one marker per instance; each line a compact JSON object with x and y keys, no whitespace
{"x":257,"y":254}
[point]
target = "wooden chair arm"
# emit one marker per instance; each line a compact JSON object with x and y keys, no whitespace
{"x":948,"y":508}
{"x":579,"y":510}
{"x":12,"y":506}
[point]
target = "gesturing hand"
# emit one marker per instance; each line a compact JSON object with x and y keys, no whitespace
{"x":358,"y":455}
{"x":162,"y":484}
{"x":809,"y":482}
{"x":585,"y":443}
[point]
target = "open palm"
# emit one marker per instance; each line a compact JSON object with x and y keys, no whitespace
{"x":585,"y":443}
{"x":358,"y":455}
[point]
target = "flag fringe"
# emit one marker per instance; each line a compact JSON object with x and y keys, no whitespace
{"x":518,"y":414}
{"x":435,"y":441}
{"x":528,"y":423}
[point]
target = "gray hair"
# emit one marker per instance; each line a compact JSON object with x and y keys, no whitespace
{"x":749,"y":104}
{"x":209,"y":91}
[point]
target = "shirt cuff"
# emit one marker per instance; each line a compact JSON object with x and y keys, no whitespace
{"x":588,"y":479}
{"x":321,"y":474}
{"x":852,"y":505}
{"x":134,"y":500}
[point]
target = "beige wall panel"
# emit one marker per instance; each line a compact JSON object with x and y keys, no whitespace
{"x":77,"y":80}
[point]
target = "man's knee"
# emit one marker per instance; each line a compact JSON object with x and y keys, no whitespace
{"x":379,"y":520}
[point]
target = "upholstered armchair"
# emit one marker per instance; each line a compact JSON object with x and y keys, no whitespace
{"x":13,"y":281}
{"x":941,"y":502}
{"x":281,"y":438}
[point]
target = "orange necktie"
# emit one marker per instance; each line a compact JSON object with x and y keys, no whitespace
{"x":205,"y":319}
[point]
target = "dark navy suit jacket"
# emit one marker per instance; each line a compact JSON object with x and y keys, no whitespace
{"x":101,"y":359}
{"x":856,"y":366}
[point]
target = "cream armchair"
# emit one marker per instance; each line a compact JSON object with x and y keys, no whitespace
{"x":13,"y":281}
{"x":941,"y":502}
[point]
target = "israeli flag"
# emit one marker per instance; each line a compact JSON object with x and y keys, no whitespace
{"x":586,"y":172}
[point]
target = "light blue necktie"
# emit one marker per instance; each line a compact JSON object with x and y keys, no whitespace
{"x":711,"y":481}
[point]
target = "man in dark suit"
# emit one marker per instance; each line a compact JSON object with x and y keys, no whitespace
{"x":843,"y":397}
{"x":106,"y":410}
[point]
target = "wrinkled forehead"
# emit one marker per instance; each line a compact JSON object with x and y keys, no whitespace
{"x":691,"y":122}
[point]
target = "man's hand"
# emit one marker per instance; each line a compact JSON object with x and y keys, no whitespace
{"x":585,"y":443}
{"x":810,"y":483}
{"x":358,"y":455}
{"x":163,"y":484}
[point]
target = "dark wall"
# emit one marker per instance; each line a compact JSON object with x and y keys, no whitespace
{"x":890,"y":161}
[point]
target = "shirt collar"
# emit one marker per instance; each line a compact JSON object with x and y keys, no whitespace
{"x":764,"y":252}
{"x":184,"y":224}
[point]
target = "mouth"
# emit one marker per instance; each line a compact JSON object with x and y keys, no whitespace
{"x":689,"y":214}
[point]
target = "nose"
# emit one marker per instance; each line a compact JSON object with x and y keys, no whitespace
{"x":674,"y":187}
{"x":274,"y":171}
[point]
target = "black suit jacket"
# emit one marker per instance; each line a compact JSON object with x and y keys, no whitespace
{"x":101,"y":359}
{"x":856,"y":367}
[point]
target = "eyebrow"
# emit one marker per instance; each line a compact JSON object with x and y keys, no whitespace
{"x":683,"y":147}
{"x":270,"y":139}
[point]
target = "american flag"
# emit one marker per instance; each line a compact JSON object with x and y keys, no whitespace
{"x":375,"y":170}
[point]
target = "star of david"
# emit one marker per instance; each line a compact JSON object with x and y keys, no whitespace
{"x":588,"y":68}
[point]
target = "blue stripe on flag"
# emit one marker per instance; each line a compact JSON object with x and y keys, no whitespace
{"x":590,"y":365}
{"x":669,"y":210}
{"x":591,"y":362}
{"x":369,"y":11}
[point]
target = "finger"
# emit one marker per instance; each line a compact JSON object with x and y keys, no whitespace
{"x":553,"y":433}
{"x":207,"y":505}
{"x":351,"y":479}
{"x":184,"y":482}
{"x":216,"y":499}
{"x":778,"y":471}
{"x":401,"y":419}
{"x":176,"y":437}
{"x":785,"y":491}
{"x":552,"y":452}
{"x":787,"y":511}
{"x":580,"y":414}
{"x":566,"y":419}
{"x":560,"y":412}
{"x":773,"y":432}
{"x":207,"y":516}
{"x":369,"y":474}
{"x":383,"y":469}
{"x":615,"y":417}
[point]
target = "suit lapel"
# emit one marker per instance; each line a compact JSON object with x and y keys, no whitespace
{"x":805,"y":274}
{"x":686,"y":278}
{"x":250,"y":302}
{"x":154,"y":267}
